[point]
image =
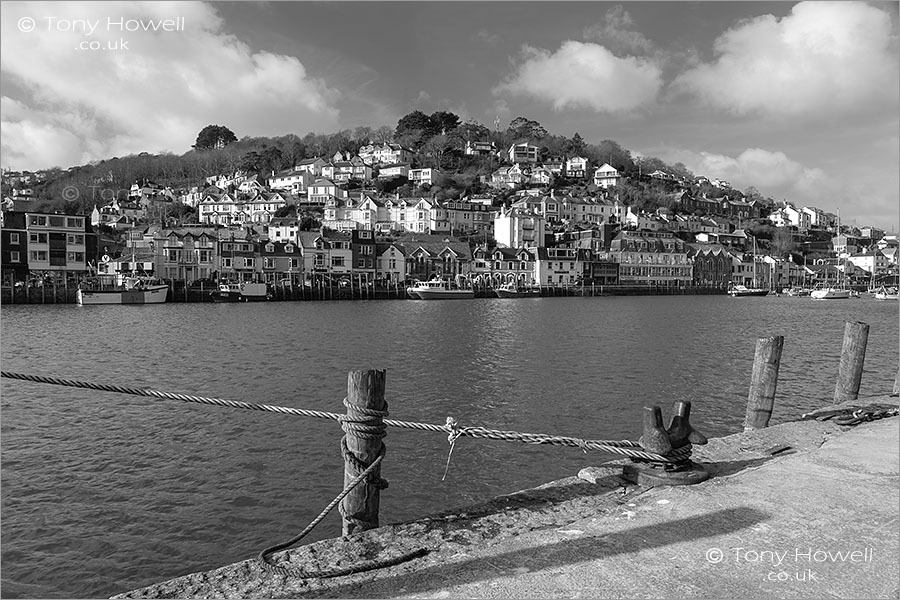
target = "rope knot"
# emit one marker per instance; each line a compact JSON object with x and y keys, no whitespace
{"x":452,"y":425}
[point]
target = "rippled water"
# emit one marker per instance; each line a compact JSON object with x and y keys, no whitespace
{"x":103,"y":492}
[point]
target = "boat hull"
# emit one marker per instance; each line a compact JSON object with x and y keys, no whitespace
{"x":830,"y":294}
{"x":222,"y":297}
{"x":435,"y":294}
{"x":149,"y":295}
{"x":741,"y":292}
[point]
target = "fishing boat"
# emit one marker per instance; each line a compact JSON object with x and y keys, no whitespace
{"x":442,"y":289}
{"x":508,"y":290}
{"x":240,"y":292}
{"x":113,"y":289}
{"x":887,"y":293}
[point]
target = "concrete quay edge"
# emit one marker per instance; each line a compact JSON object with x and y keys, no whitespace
{"x":817,"y":520}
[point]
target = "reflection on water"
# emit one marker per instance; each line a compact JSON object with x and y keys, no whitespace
{"x":103,"y":493}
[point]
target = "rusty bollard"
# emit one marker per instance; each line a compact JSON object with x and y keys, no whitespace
{"x":660,"y":441}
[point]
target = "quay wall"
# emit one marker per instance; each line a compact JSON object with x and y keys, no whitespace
{"x":800,"y":491}
{"x":180,"y":292}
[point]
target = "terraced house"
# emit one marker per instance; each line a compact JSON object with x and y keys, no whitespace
{"x":652,"y":258}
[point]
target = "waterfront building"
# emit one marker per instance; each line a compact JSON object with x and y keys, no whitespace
{"x":429,"y":257}
{"x":186,"y":253}
{"x":712,"y":265}
{"x":417,"y":215}
{"x":46,"y":247}
{"x":492,"y":267}
{"x":390,"y":262}
{"x":326,"y":254}
{"x":559,"y":266}
{"x":652,"y":258}
{"x":281,"y":263}
{"x":362,"y":251}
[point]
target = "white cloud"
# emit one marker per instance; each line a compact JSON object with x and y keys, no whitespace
{"x":826,"y":59}
{"x":78,"y":105}
{"x":617,"y":30}
{"x":584,"y":75}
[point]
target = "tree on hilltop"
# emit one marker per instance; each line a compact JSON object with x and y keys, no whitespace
{"x":214,"y":136}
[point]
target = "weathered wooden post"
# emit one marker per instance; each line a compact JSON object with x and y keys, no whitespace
{"x":853,"y":355}
{"x":763,"y":382}
{"x":364,"y":428}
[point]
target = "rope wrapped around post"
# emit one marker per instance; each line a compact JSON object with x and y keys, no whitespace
{"x":620,"y":447}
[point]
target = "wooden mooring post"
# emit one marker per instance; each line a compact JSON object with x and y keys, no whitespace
{"x":364,"y":428}
{"x":853,"y":355}
{"x":763,"y":382}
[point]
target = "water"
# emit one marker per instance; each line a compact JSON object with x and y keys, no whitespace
{"x":103,"y":492}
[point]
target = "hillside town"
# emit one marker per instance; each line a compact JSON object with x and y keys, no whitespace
{"x":538,"y":220}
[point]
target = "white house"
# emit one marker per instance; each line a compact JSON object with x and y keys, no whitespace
{"x":519,"y":228}
{"x":606,"y":176}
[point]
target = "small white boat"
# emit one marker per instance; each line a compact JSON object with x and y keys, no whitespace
{"x":508,"y":290}
{"x":797,"y":291}
{"x":887,"y":293}
{"x":441,"y":289}
{"x":738,"y":290}
{"x":830,"y":293}
{"x":137,"y":289}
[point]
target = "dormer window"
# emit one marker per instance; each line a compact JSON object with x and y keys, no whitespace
{"x":270,"y":248}
{"x":289,"y":248}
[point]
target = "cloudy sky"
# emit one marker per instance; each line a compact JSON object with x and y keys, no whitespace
{"x":800,"y":100}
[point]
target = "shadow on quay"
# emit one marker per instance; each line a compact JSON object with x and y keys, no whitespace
{"x":544,"y":557}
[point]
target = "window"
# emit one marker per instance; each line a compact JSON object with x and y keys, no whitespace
{"x":38,"y":238}
{"x":365,"y":235}
{"x":15,"y":257}
{"x":226,"y":263}
{"x":361,"y":263}
{"x":75,"y":239}
{"x":295,"y":263}
{"x":173,"y":255}
{"x":203,"y":256}
{"x":367,"y":250}
{"x":270,"y":248}
{"x":37,"y":220}
{"x":38,"y":255}
{"x":75,"y":257}
{"x":248,"y":263}
{"x":57,"y":221}
{"x":269,"y":262}
{"x":290,"y":248}
{"x":14,"y":238}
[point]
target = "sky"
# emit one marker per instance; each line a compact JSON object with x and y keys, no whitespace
{"x":798,"y":99}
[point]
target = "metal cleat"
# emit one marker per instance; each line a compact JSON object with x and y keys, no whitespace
{"x":680,"y":430}
{"x":658,"y":440}
{"x":655,"y":438}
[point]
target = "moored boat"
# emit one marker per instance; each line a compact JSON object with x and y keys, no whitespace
{"x":887,"y":293}
{"x":135,"y":289}
{"x":442,"y":289}
{"x":738,"y":290}
{"x":240,"y":292}
{"x":508,"y":290}
{"x":830,"y":293}
{"x":797,"y":291}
